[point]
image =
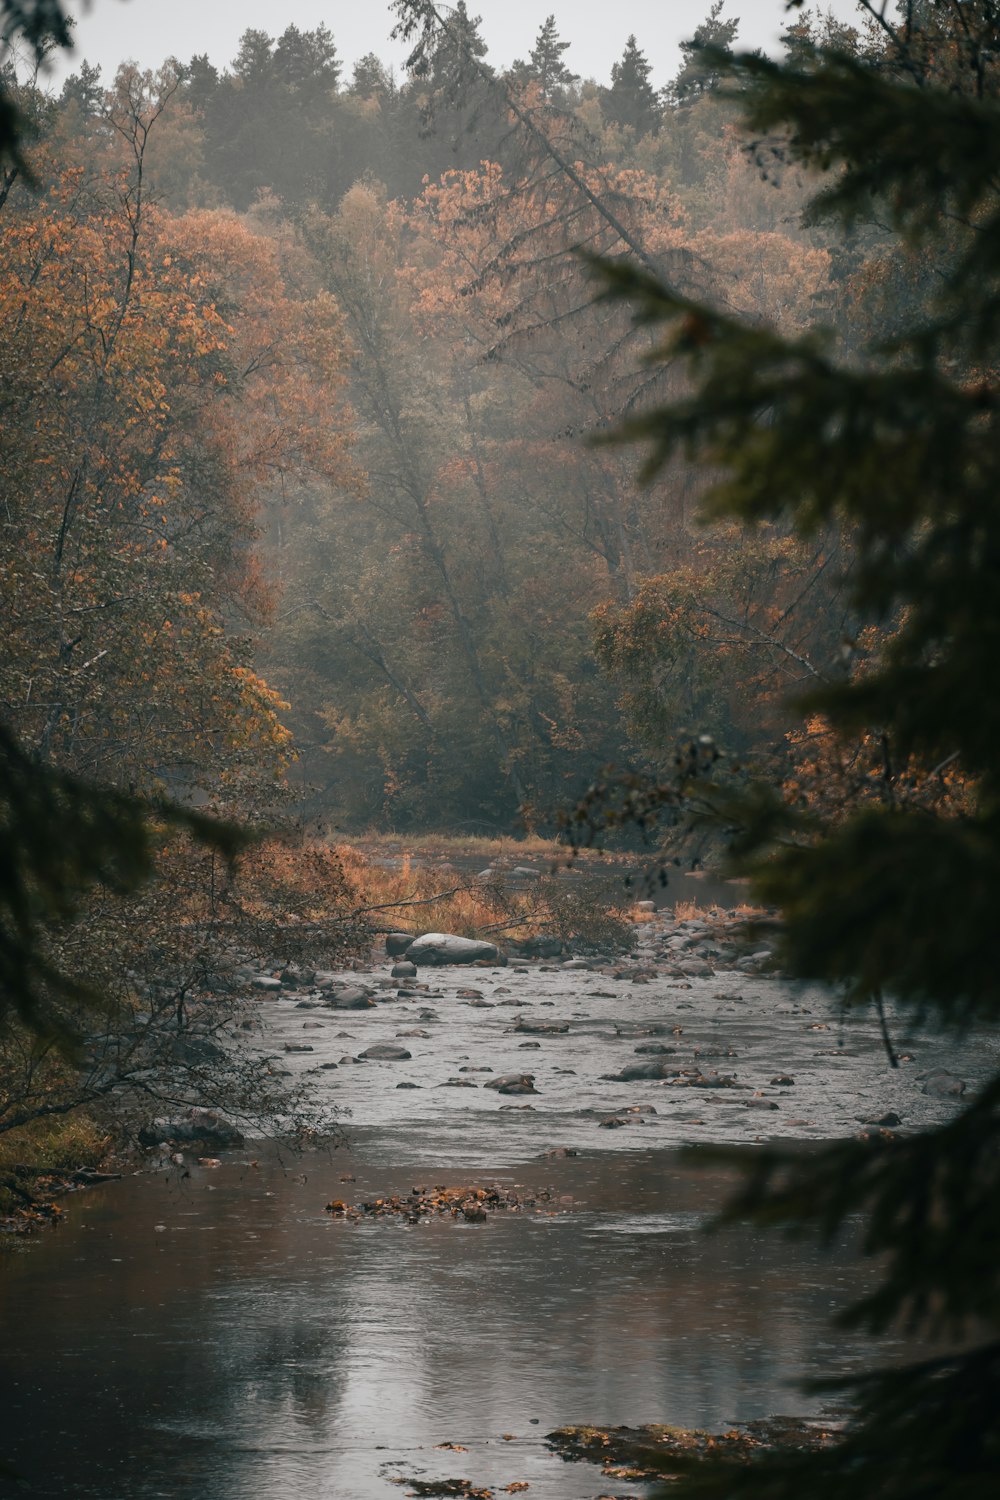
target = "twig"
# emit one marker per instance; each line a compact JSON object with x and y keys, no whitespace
{"x":884,"y":1028}
{"x":361,"y":911}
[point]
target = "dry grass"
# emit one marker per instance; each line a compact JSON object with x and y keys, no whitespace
{"x":686,"y":911}
{"x":464,"y":844}
{"x":415,"y":898}
{"x":502,"y":851}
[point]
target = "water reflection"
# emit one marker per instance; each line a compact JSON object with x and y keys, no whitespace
{"x":250,"y":1346}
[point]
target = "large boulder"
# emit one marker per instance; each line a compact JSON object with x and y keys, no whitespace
{"x":396,"y":943}
{"x":446,"y":948}
{"x":203,"y":1125}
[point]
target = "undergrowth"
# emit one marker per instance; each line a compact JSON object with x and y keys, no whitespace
{"x":413,"y":898}
{"x":47,"y":1146}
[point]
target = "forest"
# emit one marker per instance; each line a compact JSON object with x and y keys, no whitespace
{"x":349,"y":523}
{"x":499,"y":452}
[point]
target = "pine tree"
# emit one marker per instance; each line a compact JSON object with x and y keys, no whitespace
{"x":898,"y":441}
{"x":631,"y":99}
{"x":84,"y":89}
{"x":545,"y":64}
{"x":307,"y":61}
{"x":697,"y":74}
{"x":459,"y":101}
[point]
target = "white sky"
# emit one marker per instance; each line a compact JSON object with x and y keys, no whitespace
{"x":149,"y":31}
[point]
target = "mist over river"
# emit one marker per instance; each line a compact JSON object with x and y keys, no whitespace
{"x":202,"y":1332}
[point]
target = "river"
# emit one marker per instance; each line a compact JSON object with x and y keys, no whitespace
{"x":206,"y":1331}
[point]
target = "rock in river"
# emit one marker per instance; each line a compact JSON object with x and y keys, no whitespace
{"x":513,"y":1083}
{"x":385,"y":1052}
{"x":446,"y":948}
{"x":943,"y":1083}
{"x":349,"y":997}
{"x":197,"y":1125}
{"x":634,"y":1071}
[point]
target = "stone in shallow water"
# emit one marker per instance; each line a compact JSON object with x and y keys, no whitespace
{"x":513,"y":1083}
{"x":447,"y":948}
{"x":197,"y":1125}
{"x":385,"y":1052}
{"x":350,"y":997}
{"x":637,"y":1071}
{"x":943,"y":1083}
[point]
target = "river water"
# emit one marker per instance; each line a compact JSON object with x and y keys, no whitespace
{"x":211,"y":1332}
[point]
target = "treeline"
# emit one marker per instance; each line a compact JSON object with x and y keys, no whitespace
{"x":301,"y":380}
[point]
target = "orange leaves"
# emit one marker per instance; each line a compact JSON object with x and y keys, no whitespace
{"x":171,"y":370}
{"x":832,"y":775}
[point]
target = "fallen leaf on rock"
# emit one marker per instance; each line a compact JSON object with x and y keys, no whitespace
{"x":452,"y":1447}
{"x":471,"y":1204}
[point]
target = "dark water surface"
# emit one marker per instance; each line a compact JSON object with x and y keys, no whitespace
{"x":213,"y":1333}
{"x":218,"y":1335}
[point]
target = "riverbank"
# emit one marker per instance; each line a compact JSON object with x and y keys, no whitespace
{"x":242,"y":1339}
{"x":528,"y":895}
